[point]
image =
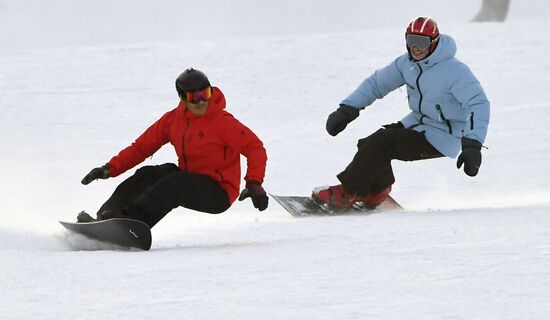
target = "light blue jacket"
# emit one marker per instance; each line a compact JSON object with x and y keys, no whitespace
{"x":446,"y":99}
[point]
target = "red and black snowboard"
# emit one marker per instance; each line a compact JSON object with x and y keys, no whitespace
{"x":305,"y":206}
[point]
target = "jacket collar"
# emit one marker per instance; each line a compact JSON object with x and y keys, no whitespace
{"x":446,"y":49}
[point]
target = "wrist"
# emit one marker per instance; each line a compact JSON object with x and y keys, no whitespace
{"x":470,"y":143}
{"x":251,"y":183}
{"x":106,"y":170}
{"x":350,"y":112}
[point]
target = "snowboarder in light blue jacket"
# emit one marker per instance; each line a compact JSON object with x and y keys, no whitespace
{"x":449,"y":110}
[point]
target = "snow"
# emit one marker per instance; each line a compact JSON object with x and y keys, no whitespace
{"x":464,"y":248}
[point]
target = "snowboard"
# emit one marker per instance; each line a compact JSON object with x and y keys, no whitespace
{"x":119,"y":231}
{"x":299,"y":206}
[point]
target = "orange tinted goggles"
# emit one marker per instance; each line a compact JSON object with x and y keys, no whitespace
{"x":199,"y":95}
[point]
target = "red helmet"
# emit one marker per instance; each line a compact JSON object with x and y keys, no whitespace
{"x":424,"y":26}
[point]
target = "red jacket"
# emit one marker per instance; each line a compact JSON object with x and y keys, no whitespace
{"x":210,"y":144}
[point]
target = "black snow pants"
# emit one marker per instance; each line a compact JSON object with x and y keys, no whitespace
{"x":153,"y":191}
{"x":370,"y":169}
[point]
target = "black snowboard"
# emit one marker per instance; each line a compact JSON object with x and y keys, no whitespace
{"x":119,"y":231}
{"x":305,"y":206}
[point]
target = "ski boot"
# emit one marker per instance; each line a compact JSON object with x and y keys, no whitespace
{"x":83,"y":216}
{"x":108,"y":214}
{"x":336,"y":198}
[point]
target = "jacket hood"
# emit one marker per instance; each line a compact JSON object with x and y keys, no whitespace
{"x":217,"y":103}
{"x":446,"y":49}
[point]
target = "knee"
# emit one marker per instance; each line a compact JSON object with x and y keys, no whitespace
{"x":145,"y":170}
{"x":375,"y":142}
{"x":217,"y":207}
{"x":168,"y":167}
{"x":383,"y":136}
{"x":160,"y":169}
{"x":217,"y":210}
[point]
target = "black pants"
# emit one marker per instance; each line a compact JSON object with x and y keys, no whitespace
{"x":153,"y":191}
{"x":371,"y":171}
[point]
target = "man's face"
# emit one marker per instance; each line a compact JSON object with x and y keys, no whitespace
{"x":419,"y":45}
{"x":197,"y":101}
{"x":419,"y":54}
{"x":198,"y":108}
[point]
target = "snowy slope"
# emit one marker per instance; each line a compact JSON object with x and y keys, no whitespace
{"x":464,"y":248}
{"x":43,"y":24}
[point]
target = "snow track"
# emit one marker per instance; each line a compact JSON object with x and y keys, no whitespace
{"x":464,"y":248}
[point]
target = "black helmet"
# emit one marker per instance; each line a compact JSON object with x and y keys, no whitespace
{"x":191,"y":80}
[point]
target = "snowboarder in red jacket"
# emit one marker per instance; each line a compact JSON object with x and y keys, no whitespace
{"x":208,"y":142}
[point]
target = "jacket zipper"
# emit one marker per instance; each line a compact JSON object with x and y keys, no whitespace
{"x":444,"y":119}
{"x":419,"y":91}
{"x":183,"y":142}
{"x":472,"y":121}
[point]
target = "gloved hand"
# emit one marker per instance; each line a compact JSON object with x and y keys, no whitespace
{"x":339,"y":119}
{"x":256,"y":192}
{"x":97,"y":173}
{"x":470,"y":156}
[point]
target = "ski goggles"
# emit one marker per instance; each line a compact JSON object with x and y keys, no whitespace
{"x":199,"y":95}
{"x":419,"y":41}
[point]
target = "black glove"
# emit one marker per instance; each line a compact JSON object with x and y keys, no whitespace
{"x":470,"y":156}
{"x":339,"y":119}
{"x":256,"y":192}
{"x":395,"y":125}
{"x":97,"y":173}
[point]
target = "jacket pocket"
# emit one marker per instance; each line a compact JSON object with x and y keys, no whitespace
{"x":439,"y":109}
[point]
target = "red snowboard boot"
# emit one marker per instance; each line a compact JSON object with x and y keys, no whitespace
{"x":336,"y":197}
